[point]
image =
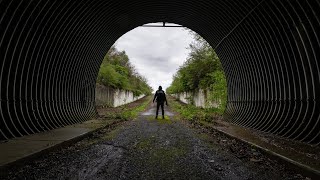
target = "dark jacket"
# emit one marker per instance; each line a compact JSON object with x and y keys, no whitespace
{"x":160,"y":96}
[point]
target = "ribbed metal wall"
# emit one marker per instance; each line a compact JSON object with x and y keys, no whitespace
{"x":51,"y":51}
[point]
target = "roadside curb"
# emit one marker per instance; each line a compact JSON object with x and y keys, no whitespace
{"x":301,"y":168}
{"x":23,"y":160}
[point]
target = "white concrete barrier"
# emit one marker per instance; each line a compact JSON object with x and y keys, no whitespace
{"x":199,"y":98}
{"x":107,"y":96}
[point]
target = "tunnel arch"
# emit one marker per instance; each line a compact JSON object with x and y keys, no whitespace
{"x":51,"y":51}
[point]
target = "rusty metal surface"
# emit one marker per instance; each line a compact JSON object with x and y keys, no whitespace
{"x":51,"y":51}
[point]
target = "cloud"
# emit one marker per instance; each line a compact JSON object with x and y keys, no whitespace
{"x":156,"y":53}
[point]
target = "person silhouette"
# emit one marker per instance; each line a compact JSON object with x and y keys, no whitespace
{"x":160,"y":98}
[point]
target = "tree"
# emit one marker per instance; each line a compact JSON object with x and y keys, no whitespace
{"x":201,"y":70}
{"x":116,"y":71}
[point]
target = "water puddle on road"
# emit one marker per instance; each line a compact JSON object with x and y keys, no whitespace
{"x":152,"y":111}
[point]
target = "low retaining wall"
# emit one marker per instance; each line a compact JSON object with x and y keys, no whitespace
{"x":198,"y":98}
{"x":107,"y":96}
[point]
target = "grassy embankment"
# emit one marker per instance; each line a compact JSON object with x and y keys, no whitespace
{"x":128,"y":111}
{"x":195,"y":114}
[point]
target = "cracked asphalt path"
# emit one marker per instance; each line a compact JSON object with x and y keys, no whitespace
{"x":145,"y":148}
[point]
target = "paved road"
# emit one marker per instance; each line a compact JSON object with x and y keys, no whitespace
{"x":146,"y":148}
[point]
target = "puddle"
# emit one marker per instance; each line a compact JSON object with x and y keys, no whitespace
{"x":152,"y":112}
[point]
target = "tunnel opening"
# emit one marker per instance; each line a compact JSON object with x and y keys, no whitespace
{"x":179,"y":60}
{"x":51,"y":52}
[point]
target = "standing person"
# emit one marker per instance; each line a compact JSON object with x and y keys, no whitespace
{"x":160,"y":97}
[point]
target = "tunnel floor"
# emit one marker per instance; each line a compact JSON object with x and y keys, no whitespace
{"x":148,"y":148}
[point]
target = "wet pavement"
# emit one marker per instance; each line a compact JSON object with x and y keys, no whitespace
{"x":153,"y":108}
{"x":149,"y":148}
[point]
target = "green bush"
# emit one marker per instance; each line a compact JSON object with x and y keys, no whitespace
{"x":195,"y":114}
{"x":116,"y":71}
{"x":202,"y":70}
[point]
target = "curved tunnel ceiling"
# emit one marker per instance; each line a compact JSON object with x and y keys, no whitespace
{"x":51,"y":51}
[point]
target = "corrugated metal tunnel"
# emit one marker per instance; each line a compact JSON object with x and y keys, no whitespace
{"x":51,"y":52}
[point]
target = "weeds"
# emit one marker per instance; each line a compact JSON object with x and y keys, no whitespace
{"x":193,"y":113}
{"x":128,"y":113}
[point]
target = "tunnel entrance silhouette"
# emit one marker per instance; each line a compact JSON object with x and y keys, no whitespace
{"x":51,"y":51}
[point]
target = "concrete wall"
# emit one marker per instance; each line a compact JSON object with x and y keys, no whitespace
{"x":198,"y":98}
{"x":107,"y":96}
{"x":122,"y":97}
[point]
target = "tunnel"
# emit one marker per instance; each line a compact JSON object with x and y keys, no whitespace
{"x":51,"y":52}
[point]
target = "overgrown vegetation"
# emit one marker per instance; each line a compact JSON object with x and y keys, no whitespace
{"x":195,"y":114}
{"x":116,"y":71}
{"x":128,"y":113}
{"x":202,"y":70}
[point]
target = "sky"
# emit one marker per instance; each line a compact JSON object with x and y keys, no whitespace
{"x":156,"y":52}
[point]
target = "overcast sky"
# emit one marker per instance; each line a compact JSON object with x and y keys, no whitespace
{"x":157,"y":52}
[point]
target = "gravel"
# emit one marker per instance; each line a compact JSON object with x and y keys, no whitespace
{"x":148,"y":148}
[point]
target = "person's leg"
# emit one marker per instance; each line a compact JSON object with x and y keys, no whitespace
{"x":162,"y":108}
{"x":158,"y":104}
